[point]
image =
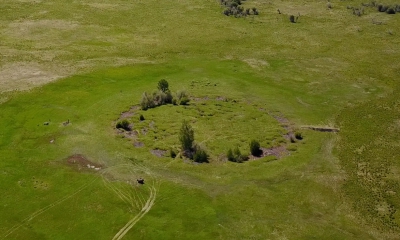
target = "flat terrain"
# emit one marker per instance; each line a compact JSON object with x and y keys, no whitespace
{"x":70,"y":70}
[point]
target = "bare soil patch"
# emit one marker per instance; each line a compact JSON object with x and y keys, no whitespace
{"x":278,"y":152}
{"x":158,"y":152}
{"x":80,"y":162}
{"x":138,"y":144}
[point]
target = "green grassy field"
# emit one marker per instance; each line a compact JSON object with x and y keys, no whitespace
{"x":331,"y":69}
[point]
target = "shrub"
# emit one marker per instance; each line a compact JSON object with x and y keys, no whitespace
{"x":147,"y":101}
{"x":298,"y":135}
{"x":181,"y":98}
{"x":255,"y":148}
{"x":172,"y":153}
{"x":382,"y":8}
{"x":227,"y":11}
{"x":390,"y":11}
{"x":291,"y":19}
{"x":200,"y":155}
{"x":230,"y":156}
{"x":141,"y":118}
{"x":186,"y":137}
{"x":184,"y":101}
{"x":124,"y":124}
{"x":236,"y":155}
{"x":163,"y":85}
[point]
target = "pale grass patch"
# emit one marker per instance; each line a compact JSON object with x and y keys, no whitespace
{"x":256,"y":63}
{"x":23,"y":76}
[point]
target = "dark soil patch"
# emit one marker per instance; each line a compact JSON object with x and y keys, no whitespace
{"x":81,"y":162}
{"x":158,"y":152}
{"x":130,"y":113}
{"x":278,"y":152}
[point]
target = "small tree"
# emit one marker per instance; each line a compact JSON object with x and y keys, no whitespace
{"x":238,"y":155}
{"x":163,"y":85}
{"x":255,"y":148}
{"x":186,"y":137}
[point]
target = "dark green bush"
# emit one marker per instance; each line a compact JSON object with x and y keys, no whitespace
{"x":390,"y":11}
{"x":255,"y":148}
{"x":298,"y":135}
{"x":291,"y":19}
{"x":230,"y":156}
{"x":200,"y":155}
{"x":172,"y":153}
{"x":124,"y":124}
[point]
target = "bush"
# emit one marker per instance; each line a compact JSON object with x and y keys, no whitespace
{"x":230,"y":156}
{"x":382,"y":8}
{"x":255,"y":148}
{"x":291,"y":19}
{"x":181,"y":98}
{"x":390,"y":11}
{"x":141,"y":118}
{"x":298,"y":135}
{"x":163,"y":85}
{"x":124,"y":124}
{"x":147,"y":101}
{"x":186,"y":137}
{"x":200,"y":155}
{"x":236,"y":155}
{"x":172,"y":153}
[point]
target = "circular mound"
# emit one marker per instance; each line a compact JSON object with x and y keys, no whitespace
{"x":219,"y":125}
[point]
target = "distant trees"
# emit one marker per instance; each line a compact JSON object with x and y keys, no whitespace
{"x":234,"y":8}
{"x":163,"y":96}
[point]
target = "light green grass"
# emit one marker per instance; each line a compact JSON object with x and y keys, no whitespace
{"x":308,"y":72}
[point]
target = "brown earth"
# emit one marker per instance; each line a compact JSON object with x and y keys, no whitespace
{"x":80,"y":162}
{"x":278,"y":152}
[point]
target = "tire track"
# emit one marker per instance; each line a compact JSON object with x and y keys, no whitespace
{"x":132,"y":196}
{"x":149,"y":204}
{"x":44,"y":209}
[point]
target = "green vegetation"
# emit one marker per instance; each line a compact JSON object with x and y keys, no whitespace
{"x":186,"y":138}
{"x":255,"y":148}
{"x":124,"y":124}
{"x":254,"y":77}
